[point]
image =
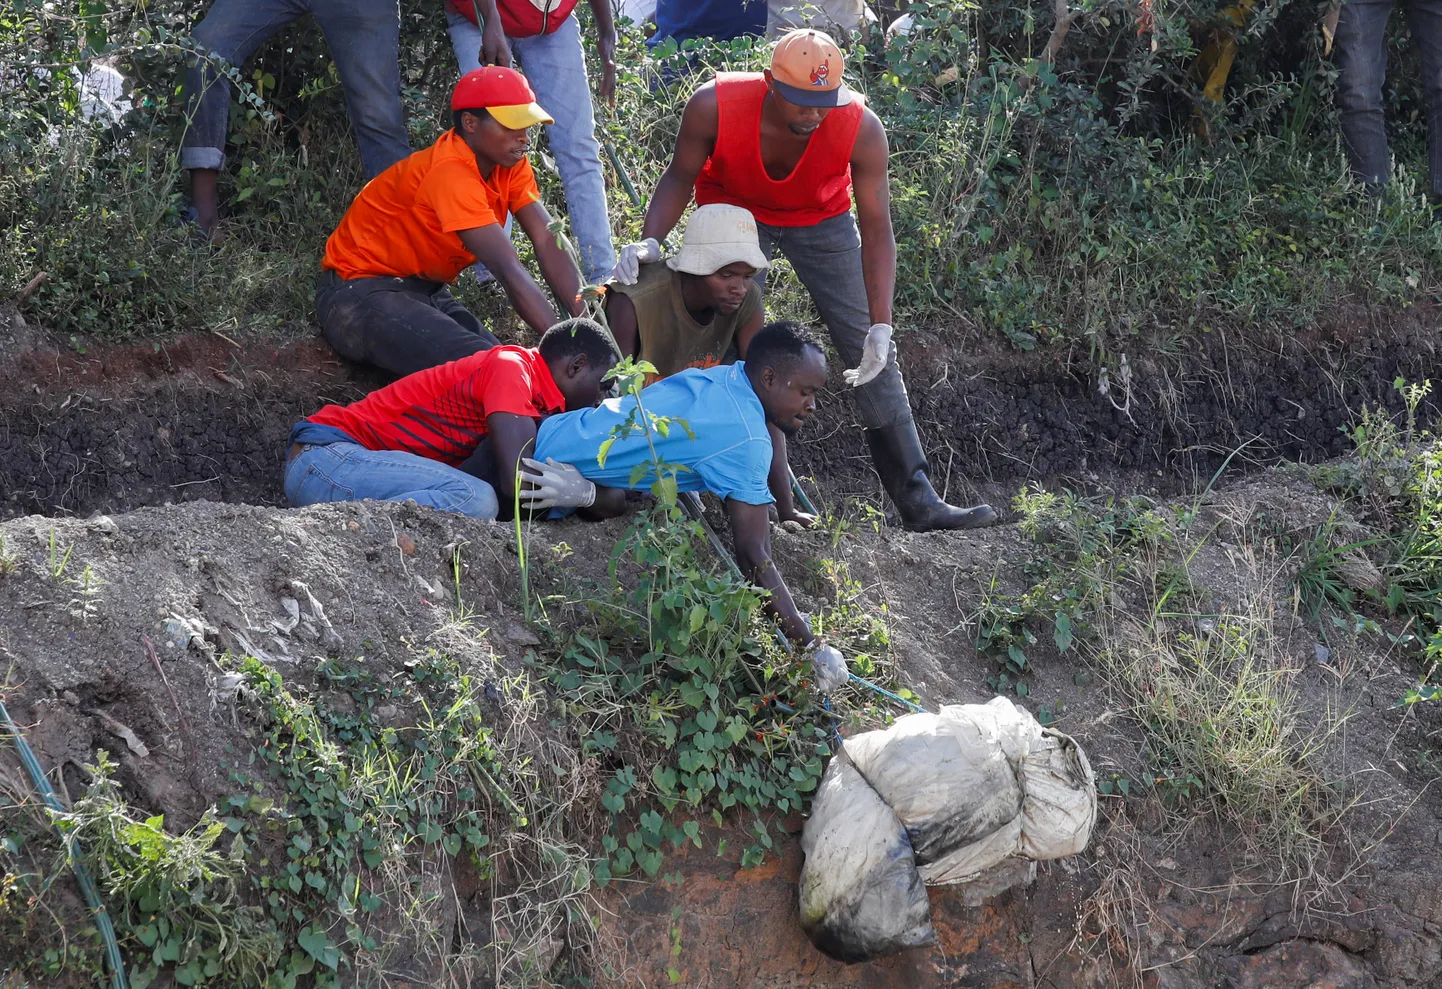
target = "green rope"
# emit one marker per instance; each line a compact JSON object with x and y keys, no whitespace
{"x":72,"y":851}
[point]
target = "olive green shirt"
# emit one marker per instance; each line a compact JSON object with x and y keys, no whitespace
{"x":666,"y":335}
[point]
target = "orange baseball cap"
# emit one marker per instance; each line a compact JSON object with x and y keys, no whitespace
{"x":806,"y":67}
{"x":503,"y":93}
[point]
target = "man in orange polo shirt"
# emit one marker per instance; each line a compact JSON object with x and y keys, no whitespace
{"x":382,"y":297}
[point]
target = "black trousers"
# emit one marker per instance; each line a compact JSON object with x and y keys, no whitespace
{"x":402,"y":325}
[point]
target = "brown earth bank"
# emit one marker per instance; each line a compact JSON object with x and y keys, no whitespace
{"x":1169,"y":895}
{"x":205,"y":416}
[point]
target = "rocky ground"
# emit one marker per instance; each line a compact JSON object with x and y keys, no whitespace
{"x":1173,"y":893}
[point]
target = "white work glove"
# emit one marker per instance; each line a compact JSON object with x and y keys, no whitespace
{"x":875,"y":354}
{"x":628,"y":265}
{"x":556,"y":485}
{"x":828,"y":667}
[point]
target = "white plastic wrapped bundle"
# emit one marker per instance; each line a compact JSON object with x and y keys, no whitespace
{"x":955,"y":797}
{"x":860,"y":892}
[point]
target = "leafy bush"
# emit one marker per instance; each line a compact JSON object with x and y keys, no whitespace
{"x":1099,"y":199}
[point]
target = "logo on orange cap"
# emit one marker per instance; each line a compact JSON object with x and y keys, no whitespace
{"x":806,"y":66}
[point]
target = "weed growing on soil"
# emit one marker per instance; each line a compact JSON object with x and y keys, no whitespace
{"x":1209,"y":689}
{"x":1396,"y":484}
{"x":364,"y":815}
{"x":1090,"y":545}
{"x":677,"y":694}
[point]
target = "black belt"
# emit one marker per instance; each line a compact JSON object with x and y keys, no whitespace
{"x":380,"y":283}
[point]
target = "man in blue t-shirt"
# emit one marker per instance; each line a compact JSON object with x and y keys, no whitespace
{"x":719,"y":20}
{"x":725,"y":448}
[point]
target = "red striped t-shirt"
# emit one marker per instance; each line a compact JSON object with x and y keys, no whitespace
{"x":440,"y":413}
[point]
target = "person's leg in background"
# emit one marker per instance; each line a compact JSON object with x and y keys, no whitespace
{"x":1362,"y":68}
{"x":364,"y":39}
{"x":1424,"y":17}
{"x":402,"y":330}
{"x":231,"y":31}
{"x":555,"y":66}
{"x":350,"y":472}
{"x":827,"y":259}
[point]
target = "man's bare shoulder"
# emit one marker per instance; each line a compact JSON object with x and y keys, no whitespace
{"x":703,"y":100}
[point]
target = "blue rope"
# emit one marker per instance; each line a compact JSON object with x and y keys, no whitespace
{"x":888,"y":694}
{"x":72,"y":850}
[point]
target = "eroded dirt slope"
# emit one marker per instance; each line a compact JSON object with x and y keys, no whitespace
{"x":1160,"y":899}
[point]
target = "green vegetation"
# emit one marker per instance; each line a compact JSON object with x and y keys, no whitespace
{"x":1097,"y":202}
{"x":364,"y":799}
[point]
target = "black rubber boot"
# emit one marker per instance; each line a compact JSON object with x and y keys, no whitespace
{"x":897,"y":455}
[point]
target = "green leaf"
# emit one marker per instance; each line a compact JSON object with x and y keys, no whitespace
{"x":605,"y":449}
{"x":692,"y":830}
{"x":665,"y":490}
{"x":314,"y":942}
{"x":698,"y":617}
{"x":706,"y":720}
{"x":1062,"y":633}
{"x":451,"y":843}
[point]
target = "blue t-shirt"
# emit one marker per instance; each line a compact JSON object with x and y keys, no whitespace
{"x":730,"y":456}
{"x":720,"y":20}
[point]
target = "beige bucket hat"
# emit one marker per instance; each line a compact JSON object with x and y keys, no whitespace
{"x":717,"y":235}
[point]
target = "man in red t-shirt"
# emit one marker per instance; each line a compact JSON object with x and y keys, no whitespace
{"x":382,"y":298}
{"x":792,"y":144}
{"x":449,"y":436}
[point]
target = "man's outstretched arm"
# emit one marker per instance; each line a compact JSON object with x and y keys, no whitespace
{"x":557,"y":268}
{"x":751,"y":533}
{"x":693,"y":146}
{"x":873,"y":216}
{"x":493,"y":249}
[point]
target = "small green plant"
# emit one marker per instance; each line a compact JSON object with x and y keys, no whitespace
{"x":1090,"y":545}
{"x":85,"y":590}
{"x":718,"y":717}
{"x":59,"y":559}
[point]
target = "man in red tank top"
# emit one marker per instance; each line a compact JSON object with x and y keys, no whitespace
{"x":794,"y":146}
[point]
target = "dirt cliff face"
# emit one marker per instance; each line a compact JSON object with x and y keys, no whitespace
{"x":1154,"y":902}
{"x":1173,"y":892}
{"x":110,"y":427}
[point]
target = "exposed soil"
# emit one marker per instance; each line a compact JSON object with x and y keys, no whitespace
{"x":1152,"y":902}
{"x":202,"y":417}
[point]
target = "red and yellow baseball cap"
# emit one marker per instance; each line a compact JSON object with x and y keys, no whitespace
{"x":806,"y":67}
{"x":503,"y":93}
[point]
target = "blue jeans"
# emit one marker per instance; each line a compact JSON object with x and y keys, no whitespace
{"x":1362,"y":69}
{"x":826,"y":256}
{"x":555,"y":66}
{"x":350,"y":472}
{"x":364,"y":40}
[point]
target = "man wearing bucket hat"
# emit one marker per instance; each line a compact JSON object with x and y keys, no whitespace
{"x":699,"y":308}
{"x":382,"y":296}
{"x":688,"y":310}
{"x":794,"y":145}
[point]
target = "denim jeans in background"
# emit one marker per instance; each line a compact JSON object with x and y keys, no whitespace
{"x":350,"y":472}
{"x":555,"y":66}
{"x":1362,"y":64}
{"x":826,"y":256}
{"x":364,"y":40}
